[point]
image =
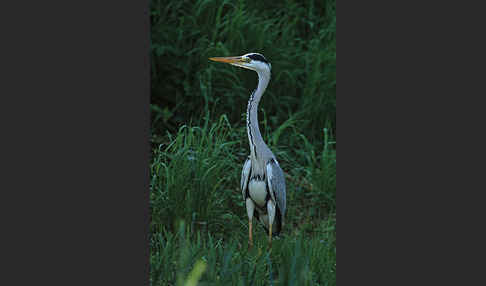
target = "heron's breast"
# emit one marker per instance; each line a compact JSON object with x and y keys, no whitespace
{"x":258,"y":191}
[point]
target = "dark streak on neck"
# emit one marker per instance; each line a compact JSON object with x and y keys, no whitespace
{"x":250,"y":106}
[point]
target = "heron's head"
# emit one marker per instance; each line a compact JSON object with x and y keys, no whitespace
{"x":251,"y":61}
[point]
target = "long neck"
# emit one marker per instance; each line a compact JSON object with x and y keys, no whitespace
{"x":254,"y":135}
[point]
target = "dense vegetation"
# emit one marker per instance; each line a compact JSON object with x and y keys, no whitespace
{"x":199,"y":227}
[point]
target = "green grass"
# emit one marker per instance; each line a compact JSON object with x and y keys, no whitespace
{"x":296,"y":260}
{"x":199,"y":226}
{"x":198,"y":213}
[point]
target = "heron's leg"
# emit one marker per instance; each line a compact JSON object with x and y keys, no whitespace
{"x":271,"y":218}
{"x":250,"y":208}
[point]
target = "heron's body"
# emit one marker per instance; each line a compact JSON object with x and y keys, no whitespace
{"x":258,"y":192}
{"x":262,"y":179}
{"x":257,"y":196}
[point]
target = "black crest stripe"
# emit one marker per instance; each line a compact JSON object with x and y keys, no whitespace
{"x":258,"y":57}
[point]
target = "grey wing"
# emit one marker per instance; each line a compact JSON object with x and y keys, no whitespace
{"x":276,"y":183}
{"x":245,"y":174}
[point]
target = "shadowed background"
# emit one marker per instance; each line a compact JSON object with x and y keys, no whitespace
{"x":199,"y":140}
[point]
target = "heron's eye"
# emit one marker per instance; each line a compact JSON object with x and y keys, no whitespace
{"x":246,"y":60}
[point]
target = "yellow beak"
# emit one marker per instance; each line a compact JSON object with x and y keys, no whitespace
{"x":229,"y":60}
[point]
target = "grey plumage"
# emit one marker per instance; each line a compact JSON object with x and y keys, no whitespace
{"x":262,"y":180}
{"x":276,"y":181}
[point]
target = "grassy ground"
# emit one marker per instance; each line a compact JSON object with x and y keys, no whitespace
{"x":199,"y":227}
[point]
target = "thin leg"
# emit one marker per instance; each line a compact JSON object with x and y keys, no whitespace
{"x":271,"y":218}
{"x":250,"y":208}
{"x":250,"y":235}
{"x":270,"y":235}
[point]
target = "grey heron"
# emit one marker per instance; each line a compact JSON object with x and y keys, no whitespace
{"x":262,"y":179}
